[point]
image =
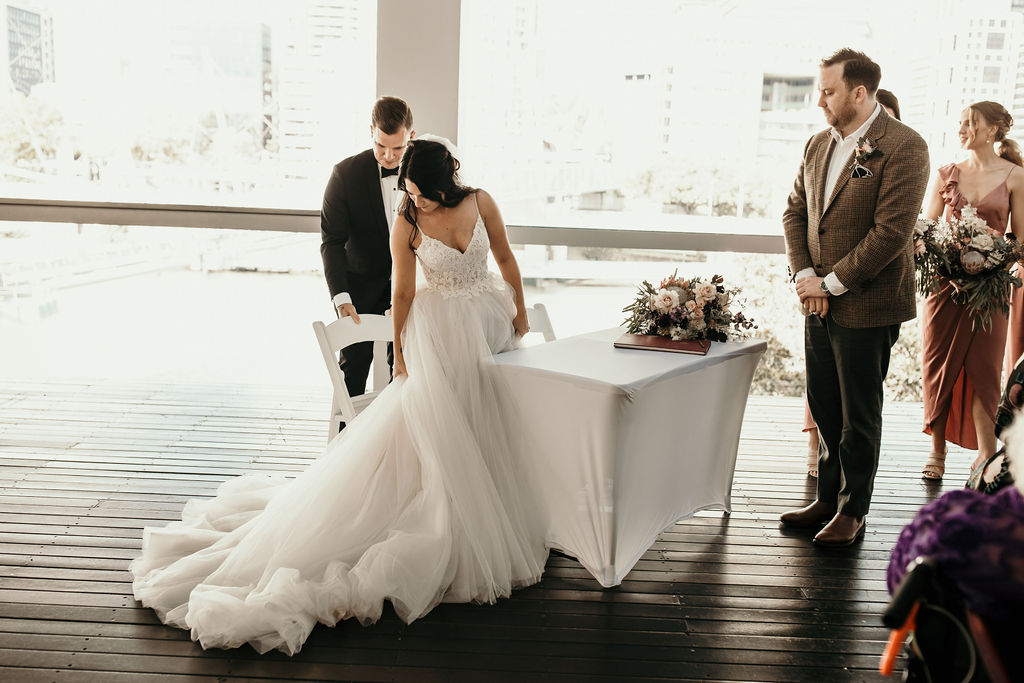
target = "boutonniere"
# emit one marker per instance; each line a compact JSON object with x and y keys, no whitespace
{"x":865,"y":150}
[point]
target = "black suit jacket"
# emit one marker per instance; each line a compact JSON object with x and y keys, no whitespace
{"x":354,"y":230}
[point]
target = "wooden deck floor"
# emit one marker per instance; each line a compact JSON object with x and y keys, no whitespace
{"x":84,"y":466}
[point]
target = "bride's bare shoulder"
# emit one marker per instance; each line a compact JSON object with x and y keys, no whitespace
{"x":486,"y":202}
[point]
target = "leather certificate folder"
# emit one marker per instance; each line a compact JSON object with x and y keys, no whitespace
{"x":651,"y":342}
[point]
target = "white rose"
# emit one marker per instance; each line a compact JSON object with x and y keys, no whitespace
{"x":697,"y":324}
{"x":705,"y":292}
{"x":664,"y":300}
{"x":982,"y":242}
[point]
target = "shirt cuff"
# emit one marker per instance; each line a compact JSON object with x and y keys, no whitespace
{"x":341,"y":298}
{"x":835,"y":287}
{"x":806,"y":272}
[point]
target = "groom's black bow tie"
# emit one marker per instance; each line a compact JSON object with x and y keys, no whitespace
{"x":385,"y":172}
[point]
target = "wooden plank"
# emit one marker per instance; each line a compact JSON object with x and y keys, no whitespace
{"x":84,"y":466}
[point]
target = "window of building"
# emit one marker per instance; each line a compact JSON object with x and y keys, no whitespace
{"x":786,"y":92}
{"x":991,"y":74}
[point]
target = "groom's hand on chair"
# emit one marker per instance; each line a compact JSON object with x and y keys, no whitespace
{"x":348,"y":311}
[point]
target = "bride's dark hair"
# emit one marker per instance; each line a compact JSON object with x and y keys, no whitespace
{"x":435,"y":171}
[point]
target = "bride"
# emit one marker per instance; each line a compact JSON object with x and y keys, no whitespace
{"x":420,"y":500}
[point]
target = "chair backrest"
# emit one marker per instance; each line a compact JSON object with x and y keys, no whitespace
{"x":540,"y":321}
{"x":344,"y":332}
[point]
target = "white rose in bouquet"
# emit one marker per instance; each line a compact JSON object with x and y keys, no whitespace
{"x":705,"y":292}
{"x":982,"y":242}
{"x":664,"y":300}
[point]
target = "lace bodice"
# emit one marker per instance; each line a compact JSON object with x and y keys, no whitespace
{"x":456,"y":273}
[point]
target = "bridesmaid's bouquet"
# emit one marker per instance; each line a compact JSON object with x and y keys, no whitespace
{"x":686,"y":309}
{"x":973,"y":257}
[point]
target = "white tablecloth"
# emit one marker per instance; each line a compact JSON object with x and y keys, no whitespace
{"x":627,"y":442}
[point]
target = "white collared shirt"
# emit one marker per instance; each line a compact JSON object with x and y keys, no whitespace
{"x":389,"y":192}
{"x":843,"y":151}
{"x":840,"y":156}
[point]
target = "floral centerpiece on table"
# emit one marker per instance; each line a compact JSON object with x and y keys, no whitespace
{"x":686,"y":309}
{"x":973,"y":257}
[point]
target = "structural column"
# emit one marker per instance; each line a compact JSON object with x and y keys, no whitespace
{"x":418,"y":60}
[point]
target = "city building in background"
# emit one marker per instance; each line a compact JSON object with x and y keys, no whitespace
{"x":680,"y":116}
{"x":27,"y":44}
{"x":575,"y":113}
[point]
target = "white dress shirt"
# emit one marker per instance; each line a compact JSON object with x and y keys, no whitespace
{"x":391,"y":196}
{"x":844,"y":148}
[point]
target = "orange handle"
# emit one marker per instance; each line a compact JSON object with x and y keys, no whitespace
{"x":896,"y":638}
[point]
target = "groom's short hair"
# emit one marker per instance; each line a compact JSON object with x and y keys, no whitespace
{"x":390,"y":114}
{"x":858,"y":69}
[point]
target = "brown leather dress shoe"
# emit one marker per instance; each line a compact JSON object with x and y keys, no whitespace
{"x":814,"y":515}
{"x":841,"y":531}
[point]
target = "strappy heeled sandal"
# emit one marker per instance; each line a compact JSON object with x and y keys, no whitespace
{"x":812,"y":464}
{"x":934,"y":467}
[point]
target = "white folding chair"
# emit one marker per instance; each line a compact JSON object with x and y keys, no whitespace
{"x":540,"y":322}
{"x":336,"y":336}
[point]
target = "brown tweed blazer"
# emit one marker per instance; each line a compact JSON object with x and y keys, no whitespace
{"x":865,"y":232}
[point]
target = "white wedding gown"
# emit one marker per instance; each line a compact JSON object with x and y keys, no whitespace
{"x":421,"y":499}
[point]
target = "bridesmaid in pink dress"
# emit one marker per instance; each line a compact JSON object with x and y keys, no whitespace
{"x":961,"y":366}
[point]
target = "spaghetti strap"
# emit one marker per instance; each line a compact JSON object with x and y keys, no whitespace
{"x":477,"y":203}
{"x":1012,"y":169}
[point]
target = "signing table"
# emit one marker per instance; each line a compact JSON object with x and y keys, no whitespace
{"x":627,"y":442}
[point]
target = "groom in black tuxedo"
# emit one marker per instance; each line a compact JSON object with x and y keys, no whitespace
{"x":355,"y":222}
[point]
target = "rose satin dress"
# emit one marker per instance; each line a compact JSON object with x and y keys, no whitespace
{"x":957,"y":361}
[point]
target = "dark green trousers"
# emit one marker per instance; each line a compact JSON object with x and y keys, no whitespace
{"x":846,"y":368}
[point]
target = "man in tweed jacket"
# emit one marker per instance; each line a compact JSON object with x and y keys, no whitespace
{"x":849,"y":232}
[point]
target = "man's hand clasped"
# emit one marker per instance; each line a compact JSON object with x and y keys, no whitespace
{"x":812,"y":296}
